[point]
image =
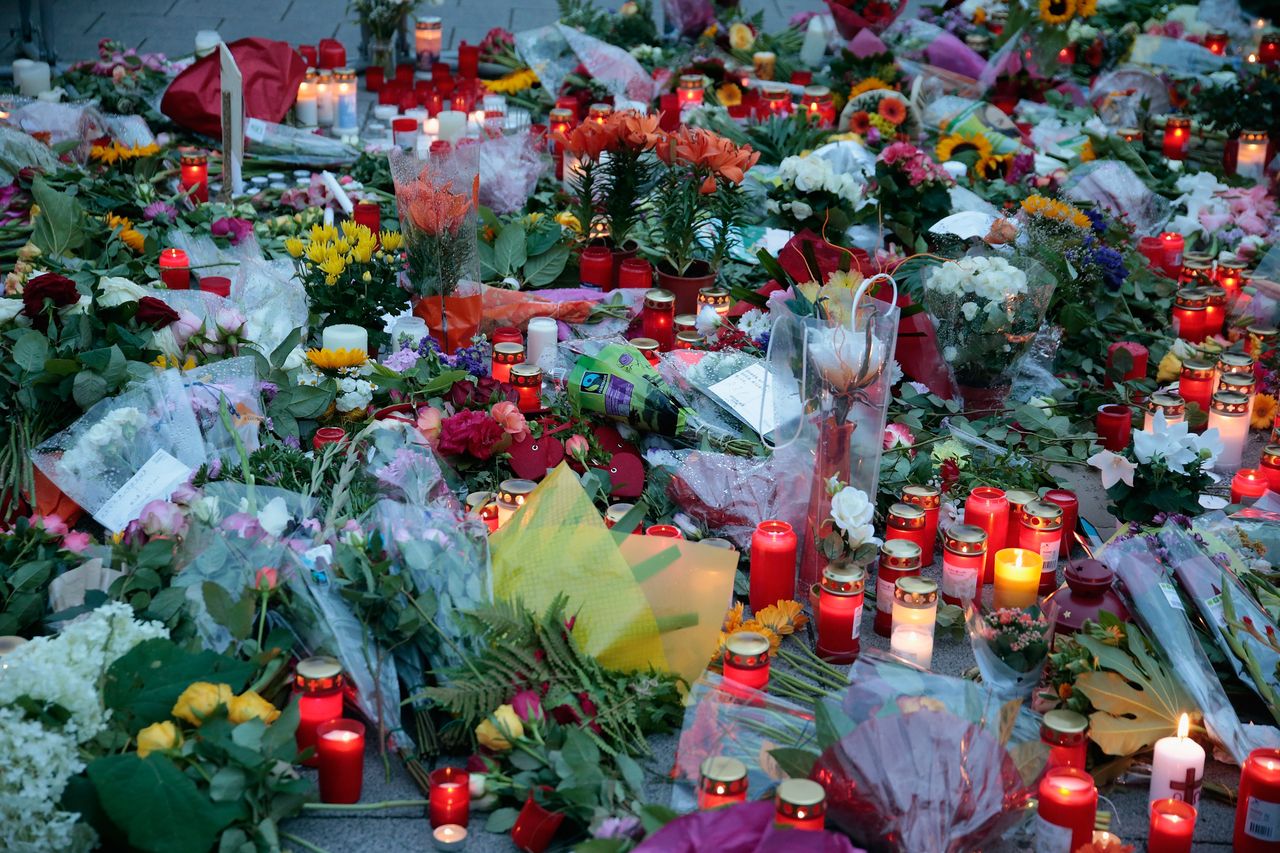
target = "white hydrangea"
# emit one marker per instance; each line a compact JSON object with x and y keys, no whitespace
{"x":37,"y":764}
{"x":354,"y":394}
{"x":991,"y":279}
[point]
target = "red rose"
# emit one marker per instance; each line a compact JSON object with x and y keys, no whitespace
{"x":154,"y":313}
{"x":47,"y":287}
{"x":473,"y":432}
{"x":460,"y":393}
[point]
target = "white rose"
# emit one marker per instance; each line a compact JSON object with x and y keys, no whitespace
{"x":274,"y":517}
{"x":114,"y":290}
{"x":800,"y":210}
{"x":969,"y":310}
{"x":852,"y":512}
{"x":296,"y":359}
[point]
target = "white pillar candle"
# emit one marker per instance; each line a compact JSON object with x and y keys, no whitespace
{"x":305,"y":107}
{"x":815,"y":43}
{"x":207,"y":42}
{"x":1251,"y":155}
{"x":35,"y":79}
{"x":542,"y":336}
{"x":19,"y":68}
{"x":326,"y":106}
{"x":345,"y":336}
{"x":912,"y":644}
{"x":345,"y":101}
{"x":452,"y":125}
{"x":1177,"y":768}
{"x":1229,"y":415}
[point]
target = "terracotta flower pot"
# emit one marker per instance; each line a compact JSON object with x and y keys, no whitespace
{"x":535,"y":826}
{"x":686,"y":287}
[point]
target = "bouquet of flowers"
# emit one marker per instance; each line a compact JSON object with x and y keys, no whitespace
{"x":913,"y":191}
{"x":847,"y":536}
{"x":1010,"y":645}
{"x":1166,"y":469}
{"x":986,"y":311}
{"x":609,"y":171}
{"x":383,"y":19}
{"x":807,"y":192}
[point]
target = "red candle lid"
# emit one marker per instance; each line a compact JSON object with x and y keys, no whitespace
{"x":404,"y":125}
{"x":1088,"y":577}
{"x":218,"y":284}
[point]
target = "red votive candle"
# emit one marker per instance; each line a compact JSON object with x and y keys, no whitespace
{"x":665,"y":531}
{"x":1066,"y":733}
{"x":907,"y":521}
{"x":175,"y":269}
{"x":722,"y":782}
{"x":1216,"y":41}
{"x":1215,"y":310}
{"x":1196,"y":383}
{"x":317,"y":682}
{"x":899,"y":558}
{"x":929,"y":499}
{"x":1270,"y":466}
{"x":340,"y":750}
{"x":1070,"y":505}
{"x":327,"y":435}
{"x":373,"y":78}
{"x":801,"y":804}
{"x":658,"y":317}
{"x":1247,"y":486}
{"x":1189,"y":320}
{"x":773,"y":564}
{"x":1177,"y":133}
{"x":595,"y":268}
{"x":988,"y":507}
{"x":527,"y":379}
{"x":1018,"y":498}
{"x":1068,"y":808}
{"x":332,"y":54}
{"x":840,"y":600}
{"x":1269,"y":49}
{"x":1258,"y":806}
{"x":1173,"y":822}
{"x":746,"y":660}
{"x":1136,"y":370}
{"x":449,"y":796}
{"x":507,"y":335}
{"x":505,"y":355}
{"x":216,"y":284}
{"x":368,"y":214}
{"x":635,"y":273}
{"x":468,"y":60}
{"x":1114,"y":425}
{"x":195,"y":175}
{"x":1231,"y":277}
{"x":1151,"y":249}
{"x":964,"y":551}
{"x":1173,"y":244}
{"x":1040,"y":532}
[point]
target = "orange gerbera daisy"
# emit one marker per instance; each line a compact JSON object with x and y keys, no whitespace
{"x":860,"y":122}
{"x":1264,"y":411}
{"x":893,"y":110}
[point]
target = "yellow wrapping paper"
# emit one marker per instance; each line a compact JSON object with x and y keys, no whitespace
{"x":651,"y":602}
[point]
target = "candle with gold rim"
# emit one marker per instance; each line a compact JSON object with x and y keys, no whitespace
{"x":964,"y":551}
{"x":505,"y":356}
{"x":1270,"y":466}
{"x":1251,"y":154}
{"x":1041,"y":533}
{"x":899,"y":558}
{"x":774,"y":101}
{"x":915,"y":612}
{"x":1262,"y":339}
{"x":722,"y":781}
{"x":512,"y":494}
{"x":689,"y":91}
{"x":746,"y":660}
{"x":1017,"y":578}
{"x":1066,"y":733}
{"x":715,"y":298}
{"x":1215,"y":309}
{"x":840,"y":613}
{"x":1231,"y":276}
{"x":1229,"y":415}
{"x":907,"y":521}
{"x":1018,"y":498}
{"x":657,"y":317}
{"x":1196,"y":383}
{"x":1258,"y":803}
{"x":1172,"y":405}
{"x":690,"y":340}
{"x":599,"y":113}
{"x":801,"y":804}
{"x":819,"y":106}
{"x":1189,"y":322}
{"x":1240,"y":383}
{"x":929,"y":499}
{"x":527,"y":380}
{"x":318,"y":684}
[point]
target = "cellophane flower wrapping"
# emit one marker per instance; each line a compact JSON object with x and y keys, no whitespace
{"x":1261,"y":523}
{"x":987,"y":312}
{"x":555,"y":51}
{"x":510,"y":166}
{"x":689,"y":16}
{"x":1001,"y":679}
{"x":1113,"y":185}
{"x":830,"y":386}
{"x":229,"y":386}
{"x":922,"y":761}
{"x":742,"y":828}
{"x":437,"y":201}
{"x":732,"y":723}
{"x":126,"y":450}
{"x":1153,"y":600}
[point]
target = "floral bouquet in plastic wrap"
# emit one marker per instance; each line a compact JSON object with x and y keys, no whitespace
{"x":1010,"y":645}
{"x":437,"y":200}
{"x":987,"y":311}
{"x":918,"y":761}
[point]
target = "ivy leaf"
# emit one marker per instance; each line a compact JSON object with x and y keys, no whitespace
{"x":501,"y":820}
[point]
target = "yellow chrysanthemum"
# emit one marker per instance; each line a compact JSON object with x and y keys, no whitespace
{"x":317,"y":252}
{"x":333,"y":265}
{"x":336,"y":359}
{"x":568,"y":220}
{"x":134,"y":239}
{"x":341,"y":246}
{"x":294,"y":246}
{"x":1264,"y":411}
{"x":882,"y":124}
{"x":1047,"y":208}
{"x":729,"y":95}
{"x":362,"y":252}
{"x":323,"y":233}
{"x":515,"y":81}
{"x":1057,"y":11}
{"x":165,"y":363}
{"x":741,"y":36}
{"x":868,"y":85}
{"x":350,"y":229}
{"x":783,"y":618}
{"x":392,"y":240}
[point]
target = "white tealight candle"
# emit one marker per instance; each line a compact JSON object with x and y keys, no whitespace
{"x":1229,"y":415}
{"x":345,"y":336}
{"x":542,"y":336}
{"x":451,"y":836}
{"x":912,"y":644}
{"x":452,"y":125}
{"x":1177,"y":768}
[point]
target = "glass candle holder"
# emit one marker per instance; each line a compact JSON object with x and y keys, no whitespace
{"x":915,"y":612}
{"x":1262,"y":339}
{"x":1269,"y":49}
{"x":1248,"y":485}
{"x":988,"y":507}
{"x":1017,"y":578}
{"x":764,"y":62}
{"x":1231,"y":276}
{"x":686,"y":323}
{"x":1229,"y":415}
{"x":1018,"y":498}
{"x":1068,"y":808}
{"x":1172,"y":405}
{"x":340,"y":757}
{"x":428,"y":36}
{"x":1196,"y":382}
{"x":657,"y":318}
{"x":1189,"y":321}
{"x":746,"y":660}
{"x":512,"y":494}
{"x":327,"y":435}
{"x":774,"y":101}
{"x":716,"y":299}
{"x":1234,"y":364}
{"x":1270,"y":466}
{"x":1177,"y":134}
{"x":689,"y":340}
{"x":614,"y":513}
{"x":964,"y":553}
{"x":1215,"y":309}
{"x":722,"y":781}
{"x":840,"y":601}
{"x":344,"y":99}
{"x":326,"y":104}
{"x":689,"y":92}
{"x":1216,"y":41}
{"x":1114,"y":425}
{"x":195,"y":175}
{"x":664,"y":531}
{"x":595,"y":268}
{"x":468,"y":61}
{"x":1173,"y":823}
{"x":929,"y":499}
{"x":907,"y":521}
{"x":304,"y":107}
{"x":1173,"y":244}
{"x":449,"y":796}
{"x":1041,"y":533}
{"x":175,"y":269}
{"x":1131,"y":135}
{"x":1066,"y":733}
{"x":819,"y":106}
{"x":899,"y":558}
{"x":773,"y":564}
{"x":635,"y":273}
{"x":1257,"y":823}
{"x":801,"y":804}
{"x":527,"y":380}
{"x":1195,"y":273}
{"x":368,"y":214}
{"x":599,"y":113}
{"x":648,"y":347}
{"x":1067,"y":501}
{"x":318,"y":683}
{"x":505,"y":355}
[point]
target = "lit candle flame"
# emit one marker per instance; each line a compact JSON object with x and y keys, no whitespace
{"x":1184,"y":726}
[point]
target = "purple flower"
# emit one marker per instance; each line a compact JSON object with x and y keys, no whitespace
{"x":235,"y":230}
{"x":245,"y":524}
{"x":291,"y":442}
{"x":401,"y":360}
{"x":161,"y":210}
{"x":269,"y":390}
{"x":618,"y":827}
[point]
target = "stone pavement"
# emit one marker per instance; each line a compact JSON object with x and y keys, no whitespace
{"x":169,"y":26}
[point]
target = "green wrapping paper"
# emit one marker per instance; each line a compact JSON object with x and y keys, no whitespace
{"x":621,"y":384}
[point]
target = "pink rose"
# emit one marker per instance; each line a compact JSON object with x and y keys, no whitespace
{"x":510,"y":419}
{"x":266,"y":579}
{"x":52,"y":524}
{"x":429,"y":420}
{"x":161,"y":518}
{"x":77,"y":541}
{"x":577,"y":447}
{"x":528,"y":706}
{"x":185,"y":326}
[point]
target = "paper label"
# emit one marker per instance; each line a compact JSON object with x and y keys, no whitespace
{"x":1051,"y":838}
{"x":1171,"y":595}
{"x":1214,"y":606}
{"x":1262,"y":820}
{"x":750,"y":399}
{"x":255,"y":129}
{"x":154,"y":481}
{"x":959,"y":581}
{"x":884,"y":595}
{"x":1049,"y":553}
{"x":857,"y":621}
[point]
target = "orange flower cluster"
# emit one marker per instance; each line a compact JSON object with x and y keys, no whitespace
{"x":625,"y":130}
{"x":435,"y":210}
{"x":703,"y":149}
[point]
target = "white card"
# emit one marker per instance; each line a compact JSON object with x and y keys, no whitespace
{"x":154,"y":481}
{"x":750,"y":400}
{"x":232,"y":84}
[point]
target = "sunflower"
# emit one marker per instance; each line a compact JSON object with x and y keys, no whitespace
{"x":988,"y":163}
{"x":783,"y":618}
{"x":1057,"y":11}
{"x":133,"y":238}
{"x":1086,"y":8}
{"x":868,"y":85}
{"x":336,"y":359}
{"x":1047,"y":208}
{"x":893,"y":110}
{"x":1264,"y":411}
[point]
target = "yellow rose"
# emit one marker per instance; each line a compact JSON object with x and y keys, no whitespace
{"x":501,"y":725}
{"x":741,"y":37}
{"x":250,"y":706}
{"x":1170,"y":368}
{"x":294,"y":246}
{"x":158,"y":737}
{"x":200,"y":700}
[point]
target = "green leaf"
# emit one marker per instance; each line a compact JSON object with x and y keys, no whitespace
{"x":88,"y":388}
{"x":501,"y":820}
{"x":158,"y":807}
{"x":543,"y":269}
{"x":509,"y":253}
{"x":227,"y":785}
{"x":796,"y":763}
{"x":579,"y":750}
{"x":142,"y":687}
{"x":31,"y":351}
{"x":281,"y":353}
{"x":57,"y":229}
{"x":488,"y":267}
{"x":631,"y":773}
